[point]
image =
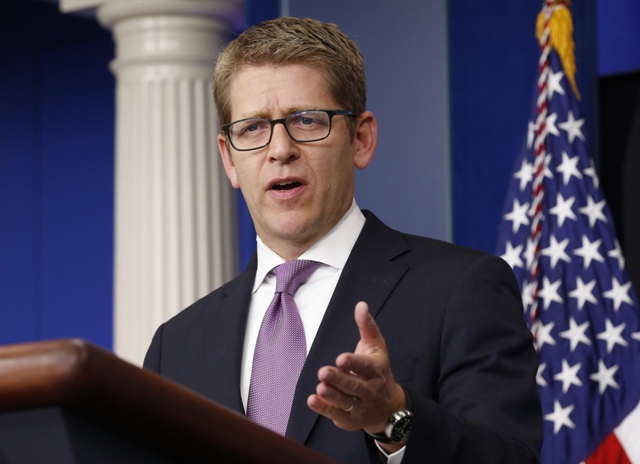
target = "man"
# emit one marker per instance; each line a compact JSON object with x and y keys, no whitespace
{"x":438,"y":365}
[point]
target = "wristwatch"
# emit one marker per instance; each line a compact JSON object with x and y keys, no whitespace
{"x":397,"y":428}
{"x":398,"y":425}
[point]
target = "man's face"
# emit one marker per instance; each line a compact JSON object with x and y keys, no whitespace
{"x":296,"y":192}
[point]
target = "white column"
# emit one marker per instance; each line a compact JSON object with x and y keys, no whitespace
{"x":175,"y":212}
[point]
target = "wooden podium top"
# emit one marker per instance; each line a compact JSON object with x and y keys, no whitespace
{"x":138,"y":404}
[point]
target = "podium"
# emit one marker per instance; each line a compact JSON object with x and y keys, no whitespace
{"x":68,"y":401}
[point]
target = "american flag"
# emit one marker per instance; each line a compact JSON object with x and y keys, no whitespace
{"x":578,"y":299}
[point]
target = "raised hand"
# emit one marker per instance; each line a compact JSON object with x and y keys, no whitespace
{"x":359,"y":392}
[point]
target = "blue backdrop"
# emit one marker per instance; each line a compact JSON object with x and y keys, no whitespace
{"x":56,"y":176}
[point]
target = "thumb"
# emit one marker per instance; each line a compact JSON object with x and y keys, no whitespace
{"x":369,"y":331}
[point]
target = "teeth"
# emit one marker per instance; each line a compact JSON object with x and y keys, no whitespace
{"x":286,"y":185}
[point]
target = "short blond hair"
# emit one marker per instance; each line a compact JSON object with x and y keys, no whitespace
{"x":288,"y":40}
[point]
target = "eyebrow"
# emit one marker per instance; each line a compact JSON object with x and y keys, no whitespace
{"x":289,"y":111}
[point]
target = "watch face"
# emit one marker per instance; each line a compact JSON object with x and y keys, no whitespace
{"x":401,"y":428}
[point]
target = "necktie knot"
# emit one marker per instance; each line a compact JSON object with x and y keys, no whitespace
{"x":292,"y":274}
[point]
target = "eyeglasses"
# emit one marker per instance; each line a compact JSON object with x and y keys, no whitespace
{"x":304,"y":126}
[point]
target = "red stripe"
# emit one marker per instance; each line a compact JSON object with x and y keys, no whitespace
{"x":610,"y":451}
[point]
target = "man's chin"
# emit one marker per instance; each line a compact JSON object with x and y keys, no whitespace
{"x":293,"y":231}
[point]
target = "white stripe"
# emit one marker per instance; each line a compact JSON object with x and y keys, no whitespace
{"x":628,"y":433}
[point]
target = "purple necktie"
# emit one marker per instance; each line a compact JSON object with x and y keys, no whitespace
{"x":280,"y":352}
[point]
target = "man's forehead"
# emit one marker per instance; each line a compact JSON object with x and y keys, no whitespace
{"x":256,"y":90}
{"x":267,"y":70}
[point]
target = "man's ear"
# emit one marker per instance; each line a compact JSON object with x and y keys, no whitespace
{"x":227,"y":161}
{"x":366,"y":139}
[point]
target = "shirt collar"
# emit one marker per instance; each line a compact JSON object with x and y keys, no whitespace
{"x":332,"y":249}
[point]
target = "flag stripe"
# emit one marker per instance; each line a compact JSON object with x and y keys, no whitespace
{"x":628,"y":433}
{"x":608,"y":452}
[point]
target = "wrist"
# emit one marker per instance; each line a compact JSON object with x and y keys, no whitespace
{"x":398,"y":402}
{"x":397,"y":427}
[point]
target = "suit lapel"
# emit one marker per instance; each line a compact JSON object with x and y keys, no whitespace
{"x":369,"y":275}
{"x":225,"y":339}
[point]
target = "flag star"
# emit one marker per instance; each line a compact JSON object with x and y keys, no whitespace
{"x":618,"y":293}
{"x":563,"y":209}
{"x":527,"y":294}
{"x":550,"y":124}
{"x":518,"y":215}
{"x":583,"y":293}
{"x":612,"y":335}
{"x":604,"y":376}
{"x":636,"y":336}
{"x":560,"y":417}
{"x":525,"y":174}
{"x":573,"y":127}
{"x":531,"y":134}
{"x":549,"y":291}
{"x":591,"y":172}
{"x":547,"y":161}
{"x":594,"y":210}
{"x":512,"y":256}
{"x":617,"y":254}
{"x":568,"y":168}
{"x":589,"y":251}
{"x":543,"y":334}
{"x":529,"y":252}
{"x":556,"y":251}
{"x":540,"y":380}
{"x":554,"y":83}
{"x":576,"y":334}
{"x":568,"y":376}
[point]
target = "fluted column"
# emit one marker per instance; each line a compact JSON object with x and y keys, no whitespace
{"x":175,"y":212}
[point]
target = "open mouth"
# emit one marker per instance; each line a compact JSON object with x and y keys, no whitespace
{"x":286,"y":185}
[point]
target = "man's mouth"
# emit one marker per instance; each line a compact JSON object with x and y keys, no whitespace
{"x":286,"y":185}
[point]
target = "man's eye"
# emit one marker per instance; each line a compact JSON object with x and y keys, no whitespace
{"x":305,"y":121}
{"x":250,"y":128}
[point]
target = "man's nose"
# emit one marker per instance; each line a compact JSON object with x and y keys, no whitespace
{"x":282,"y":147}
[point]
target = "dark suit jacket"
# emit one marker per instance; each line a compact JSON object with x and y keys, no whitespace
{"x":452,"y":319}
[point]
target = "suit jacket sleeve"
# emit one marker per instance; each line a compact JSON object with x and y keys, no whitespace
{"x":486,"y":407}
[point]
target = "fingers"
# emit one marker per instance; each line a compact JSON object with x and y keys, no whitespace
{"x":369,"y":331}
{"x":370,"y":350}
{"x":359,"y":392}
{"x":335,"y":397}
{"x":362,"y":365}
{"x":335,"y":405}
{"x":350,"y":411}
{"x":347,"y":382}
{"x":339,"y":416}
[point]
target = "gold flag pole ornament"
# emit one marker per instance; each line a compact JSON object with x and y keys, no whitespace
{"x":556,"y":19}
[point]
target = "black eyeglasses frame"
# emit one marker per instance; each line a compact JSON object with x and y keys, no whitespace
{"x":331,"y":113}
